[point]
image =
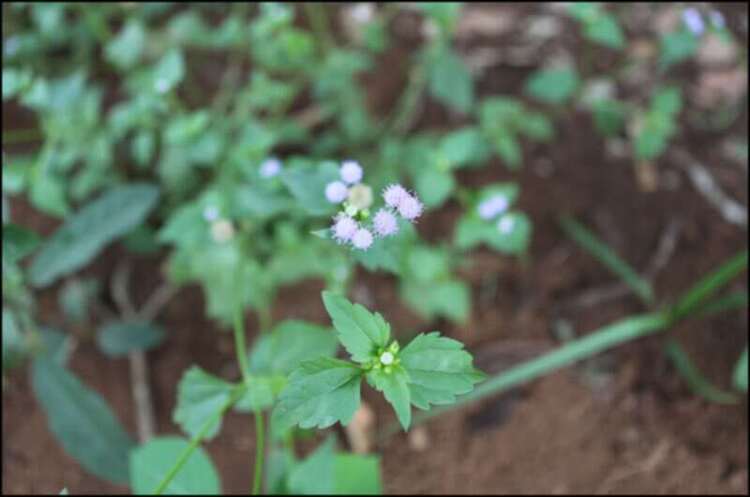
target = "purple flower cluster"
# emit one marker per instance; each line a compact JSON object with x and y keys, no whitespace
{"x":347,"y":226}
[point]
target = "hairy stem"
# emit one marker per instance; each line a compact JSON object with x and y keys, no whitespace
{"x":259,"y":451}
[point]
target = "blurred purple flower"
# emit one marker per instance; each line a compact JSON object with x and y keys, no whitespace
{"x":270,"y":167}
{"x":393,"y":195}
{"x":693,"y":20}
{"x":506,"y":224}
{"x":385,"y":223}
{"x":344,"y":228}
{"x":336,"y":192}
{"x":410,"y":208}
{"x":362,"y":239}
{"x":491,"y":207}
{"x":351,"y":172}
{"x":717,"y":19}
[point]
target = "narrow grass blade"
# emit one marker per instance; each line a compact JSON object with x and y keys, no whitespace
{"x":604,"y":254}
{"x":697,"y":382}
{"x":691,"y":300}
{"x":603,"y":339}
{"x":729,"y":302}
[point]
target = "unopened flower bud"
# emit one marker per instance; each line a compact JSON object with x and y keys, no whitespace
{"x":360,"y":196}
{"x":222,"y":231}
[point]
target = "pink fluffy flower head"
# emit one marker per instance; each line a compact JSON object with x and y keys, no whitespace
{"x":410,"y":208}
{"x":362,"y":239}
{"x":385,"y":223}
{"x":344,"y":228}
{"x":351,"y":172}
{"x":336,"y":192}
{"x":393,"y":195}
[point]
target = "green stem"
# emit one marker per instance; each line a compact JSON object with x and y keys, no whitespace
{"x":408,"y":102}
{"x":259,"y":452}
{"x":236,"y":394}
{"x":240,"y":347}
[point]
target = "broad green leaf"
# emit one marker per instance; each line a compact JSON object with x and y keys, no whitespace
{"x":82,"y":421}
{"x":450,"y":81}
{"x":326,"y":472}
{"x":307,"y":185}
{"x":740,"y":372}
{"x":315,"y":475}
{"x":509,"y":150}
{"x":677,"y":47}
{"x":262,"y":391}
{"x":605,"y":30}
{"x":15,"y":81}
{"x":427,"y":264}
{"x":667,"y":100}
{"x":536,"y":126}
{"x":18,"y":242}
{"x":291,"y":342}
{"x":125,"y":49}
{"x":394,"y":385}
{"x":152,"y":461}
{"x":553,"y":86}
{"x":433,"y":185}
{"x":199,"y":397}
{"x":119,"y":338}
{"x":464,"y":146}
{"x":320,"y":393}
{"x":609,"y":117}
{"x":449,"y":298}
{"x":89,"y":230}
{"x":360,"y":331}
{"x":511,"y":233}
{"x":438,"y":369}
{"x":357,"y":475}
{"x":168,"y":72}
{"x":254,"y":201}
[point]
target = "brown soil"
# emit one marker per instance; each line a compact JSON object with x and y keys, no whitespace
{"x":621,"y":423}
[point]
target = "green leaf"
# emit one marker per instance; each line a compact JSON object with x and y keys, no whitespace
{"x":360,"y":331}
{"x":536,"y":126}
{"x":283,"y":349}
{"x":508,"y":149}
{"x":326,"y":472}
{"x":609,"y":116}
{"x":307,"y":185}
{"x":150,"y":463}
{"x":438,"y":369}
{"x":394,"y":385}
{"x":199,"y":397}
{"x":553,"y":86}
{"x":710,"y":284}
{"x":315,"y":475}
{"x":464,"y":146}
{"x":433,"y":185}
{"x":320,"y":393}
{"x":605,"y":30}
{"x":82,"y":421}
{"x":89,"y":230}
{"x":697,"y":382}
{"x":357,"y":475}
{"x":126,"y":48}
{"x":119,"y":338}
{"x":15,"y":81}
{"x":168,"y":72}
{"x":511,"y":233}
{"x":18,"y":242}
{"x":449,"y":298}
{"x":667,"y":100}
{"x":604,"y":254}
{"x":677,"y":47}
{"x":450,"y":81}
{"x":14,"y":346}
{"x":740,"y":372}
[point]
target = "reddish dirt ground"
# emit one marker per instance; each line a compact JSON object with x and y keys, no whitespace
{"x":624,"y":422}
